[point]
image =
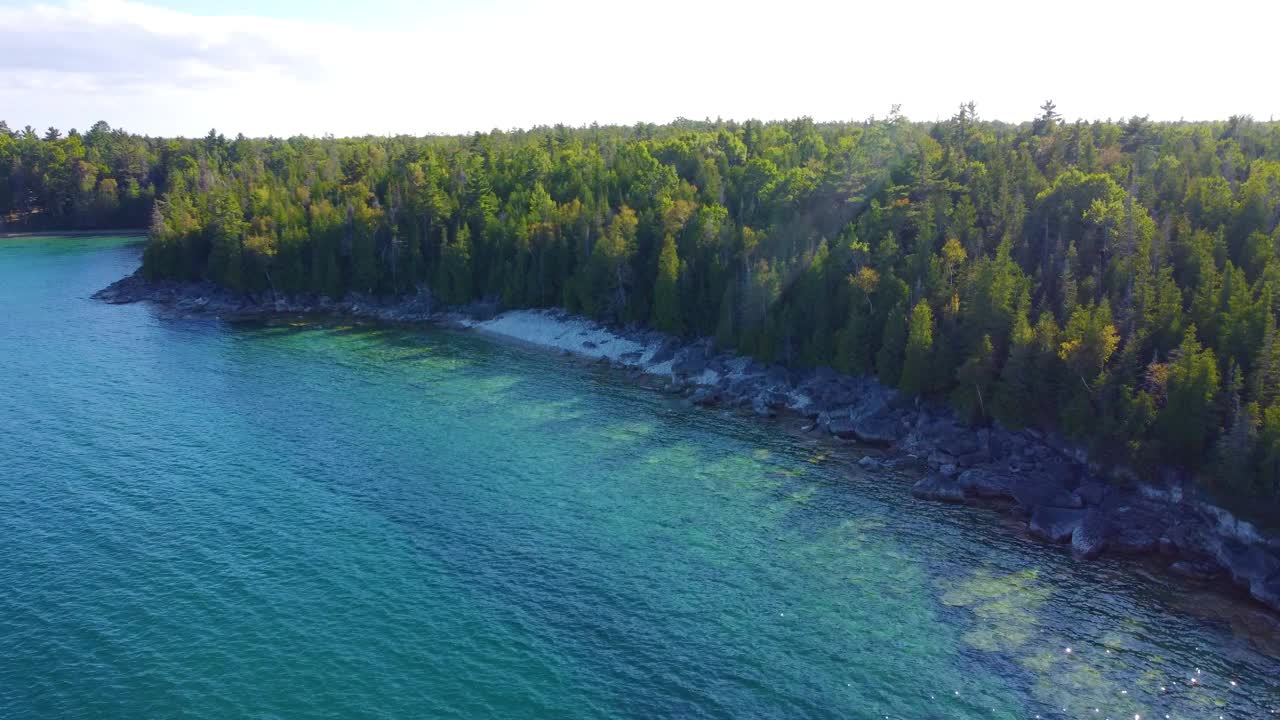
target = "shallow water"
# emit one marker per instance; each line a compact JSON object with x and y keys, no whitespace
{"x":216,"y":520}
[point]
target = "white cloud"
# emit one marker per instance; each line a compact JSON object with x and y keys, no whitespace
{"x":517,"y":64}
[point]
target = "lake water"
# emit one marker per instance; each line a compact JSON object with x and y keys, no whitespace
{"x":209,"y":520}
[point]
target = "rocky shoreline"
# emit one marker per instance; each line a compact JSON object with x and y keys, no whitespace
{"x":1040,"y":478}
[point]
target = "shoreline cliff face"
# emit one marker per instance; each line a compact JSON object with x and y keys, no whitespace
{"x":1039,"y":478}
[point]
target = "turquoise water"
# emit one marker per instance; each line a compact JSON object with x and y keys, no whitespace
{"x":210,"y":520}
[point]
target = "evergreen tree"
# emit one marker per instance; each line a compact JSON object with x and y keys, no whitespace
{"x":1187,"y":421}
{"x":666,"y":299}
{"x":916,"y":365}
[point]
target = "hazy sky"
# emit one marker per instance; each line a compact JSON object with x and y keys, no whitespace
{"x":179,"y":67}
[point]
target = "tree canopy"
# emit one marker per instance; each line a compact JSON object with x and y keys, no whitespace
{"x":1118,"y":281}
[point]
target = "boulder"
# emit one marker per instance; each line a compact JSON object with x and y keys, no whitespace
{"x":985,"y":483}
{"x":938,"y":487}
{"x":842,"y":427}
{"x":959,"y":442}
{"x":1091,"y":492}
{"x":877,"y":430}
{"x":1135,"y":528}
{"x":778,"y":375}
{"x":1267,"y":591}
{"x":1035,"y":490}
{"x":937,"y":458}
{"x":869,"y":462}
{"x":761,"y":408}
{"x":1054,"y":524}
{"x":666,"y":351}
{"x":690,"y":361}
{"x":705,"y":396}
{"x":1089,"y":538}
{"x":1248,"y":564}
{"x":1189,"y":535}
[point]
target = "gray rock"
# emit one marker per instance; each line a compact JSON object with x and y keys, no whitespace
{"x":878,"y":430}
{"x":761,"y":408}
{"x":1248,"y":564}
{"x":1091,"y":492}
{"x":778,"y":375}
{"x":1135,"y":528}
{"x":958,"y":443}
{"x":984,"y":483}
{"x":1089,"y":539}
{"x":1054,"y":524}
{"x":869,"y":462}
{"x":665,"y":352}
{"x":841,"y":426}
{"x":937,"y":458}
{"x":1189,"y":535}
{"x":938,"y":487}
{"x":705,"y":396}
{"x":1032,"y":491}
{"x":690,"y":361}
{"x":1267,"y":591}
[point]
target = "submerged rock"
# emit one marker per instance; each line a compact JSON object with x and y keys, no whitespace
{"x":1041,"y":473}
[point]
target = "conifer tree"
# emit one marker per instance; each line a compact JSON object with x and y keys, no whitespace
{"x":916,"y":365}
{"x":666,"y":298}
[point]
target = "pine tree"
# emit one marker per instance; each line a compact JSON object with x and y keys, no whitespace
{"x":453,"y":279}
{"x":917,"y":371}
{"x":1234,"y":450}
{"x":1016,"y":390}
{"x":1267,"y":452}
{"x":1186,"y":423}
{"x":1265,"y":385}
{"x":976,"y":381}
{"x":889,"y":357}
{"x":726,"y":325}
{"x":666,"y":297}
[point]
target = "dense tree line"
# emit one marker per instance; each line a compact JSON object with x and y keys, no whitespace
{"x":1117,"y":281}
{"x":100,"y":179}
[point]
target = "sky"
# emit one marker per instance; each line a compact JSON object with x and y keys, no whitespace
{"x":181,"y":67}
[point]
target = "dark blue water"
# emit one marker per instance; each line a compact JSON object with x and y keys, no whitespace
{"x":209,"y":520}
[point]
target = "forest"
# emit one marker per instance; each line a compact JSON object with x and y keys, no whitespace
{"x":1117,"y":281}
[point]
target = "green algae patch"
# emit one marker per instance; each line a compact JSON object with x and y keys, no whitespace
{"x":1004,"y":607}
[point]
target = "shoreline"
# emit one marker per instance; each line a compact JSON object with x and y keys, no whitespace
{"x":1041,"y":481}
{"x":70,"y":233}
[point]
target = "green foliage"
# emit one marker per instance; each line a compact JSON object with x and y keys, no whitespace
{"x":1188,"y":420}
{"x":921,"y":252}
{"x":916,"y":365}
{"x":666,"y":300}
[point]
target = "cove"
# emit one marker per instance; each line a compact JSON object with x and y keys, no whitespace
{"x":321,"y":520}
